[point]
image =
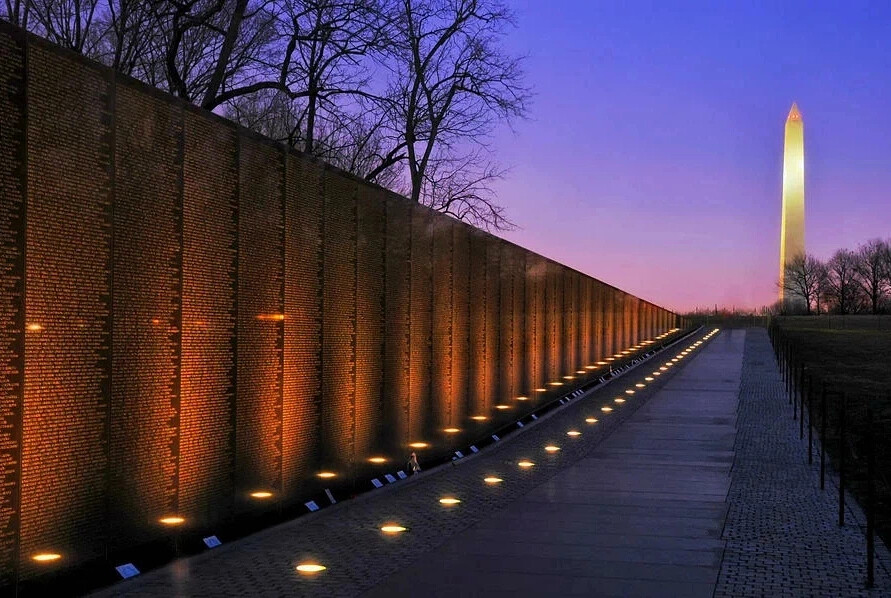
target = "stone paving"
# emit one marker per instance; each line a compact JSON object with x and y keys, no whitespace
{"x":346,"y":536}
{"x":782,"y":534}
{"x":697,"y":485}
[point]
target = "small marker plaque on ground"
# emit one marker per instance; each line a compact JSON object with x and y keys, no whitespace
{"x":377,"y":483}
{"x":330,"y":496}
{"x":312,"y":506}
{"x":459,"y":454}
{"x":495,"y":437}
{"x":519,"y":424}
{"x":212,"y":541}
{"x":127,"y":570}
{"x":389,"y":477}
{"x":474,"y":449}
{"x":402,"y":475}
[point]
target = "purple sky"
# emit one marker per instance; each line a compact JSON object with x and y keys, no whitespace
{"x":653,"y":156}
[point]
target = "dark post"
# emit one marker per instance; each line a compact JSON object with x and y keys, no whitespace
{"x":801,"y":392}
{"x":870,"y":497}
{"x":823,"y":437}
{"x":842,"y":440}
{"x":810,"y":419}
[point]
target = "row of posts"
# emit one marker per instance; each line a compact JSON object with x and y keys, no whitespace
{"x":804,"y":387}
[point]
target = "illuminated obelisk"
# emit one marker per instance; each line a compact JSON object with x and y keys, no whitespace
{"x":792,"y":232}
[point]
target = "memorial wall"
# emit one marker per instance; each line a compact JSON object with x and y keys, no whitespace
{"x":197,"y":323}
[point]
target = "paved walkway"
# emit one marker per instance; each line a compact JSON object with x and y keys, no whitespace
{"x":782,"y":531}
{"x":634,"y":506}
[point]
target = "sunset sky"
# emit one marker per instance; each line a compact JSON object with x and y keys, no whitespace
{"x":653,"y":156}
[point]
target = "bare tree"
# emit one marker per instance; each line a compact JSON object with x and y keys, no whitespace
{"x":68,"y":23}
{"x":801,"y":281}
{"x":869,"y":269}
{"x":451,"y":82}
{"x":843,"y":280}
{"x":16,"y":12}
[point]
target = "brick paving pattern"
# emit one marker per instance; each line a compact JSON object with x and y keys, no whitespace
{"x":782,"y":534}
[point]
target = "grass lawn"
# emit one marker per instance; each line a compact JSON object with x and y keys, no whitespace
{"x":857,"y":362}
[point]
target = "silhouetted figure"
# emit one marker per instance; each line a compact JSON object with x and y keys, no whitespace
{"x":413,"y":465}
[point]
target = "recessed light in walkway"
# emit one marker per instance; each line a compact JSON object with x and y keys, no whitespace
{"x":619,"y":400}
{"x":449,"y":501}
{"x":569,"y":377}
{"x":393,"y":528}
{"x":522,"y":398}
{"x":555,"y":383}
{"x":46,"y":557}
{"x":377,"y":460}
{"x":172,"y":520}
{"x":640,"y":385}
{"x":606,"y":409}
{"x":629,"y":392}
{"x":663,"y":368}
{"x":541,"y":390}
{"x":573,"y":433}
{"x":502,"y":407}
{"x":552,"y":449}
{"x":479,"y":418}
{"x":649,"y":378}
{"x":261,"y":494}
{"x":525,"y":464}
{"x":492,"y":480}
{"x":451,"y":430}
{"x":591,"y":420}
{"x":418,"y":445}
{"x":310,"y":568}
{"x":581,"y":372}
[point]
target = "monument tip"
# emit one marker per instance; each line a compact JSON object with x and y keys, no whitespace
{"x":794,"y":114}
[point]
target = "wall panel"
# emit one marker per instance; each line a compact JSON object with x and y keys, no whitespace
{"x":147,"y":310}
{"x":207,"y":403}
{"x":261,"y":314}
{"x":442,"y":295}
{"x":421,"y":358}
{"x":461,"y":338}
{"x":302,"y":376}
{"x":370,"y":223}
{"x":397,"y":323}
{"x":13,"y":175}
{"x":338,"y":323}
{"x":67,"y":302}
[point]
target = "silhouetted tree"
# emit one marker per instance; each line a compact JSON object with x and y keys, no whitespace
{"x":802,"y":275}
{"x":843,"y":280}
{"x":870,"y":272}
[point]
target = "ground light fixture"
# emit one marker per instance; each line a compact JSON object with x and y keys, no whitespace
{"x":492,"y":480}
{"x":502,"y":407}
{"x":555,"y":383}
{"x":418,"y":445}
{"x":522,"y":398}
{"x":449,"y":501}
{"x":591,"y":420}
{"x":525,"y":464}
{"x":629,"y":392}
{"x":326,"y":475}
{"x":46,"y":557}
{"x":377,"y":460}
{"x":552,"y":449}
{"x":310,"y":568}
{"x":649,"y":378}
{"x":541,"y":390}
{"x":640,"y":385}
{"x":573,"y":433}
{"x":618,"y":400}
{"x":581,"y":372}
{"x":172,"y":520}
{"x":478,"y":418}
{"x":451,"y":430}
{"x":393,"y":528}
{"x":606,"y":409}
{"x":261,"y":494}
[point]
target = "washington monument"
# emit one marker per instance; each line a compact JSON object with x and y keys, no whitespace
{"x":792,"y":231}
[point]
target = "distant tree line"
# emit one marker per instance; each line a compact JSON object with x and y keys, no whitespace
{"x":850,"y":282}
{"x":403,"y":93}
